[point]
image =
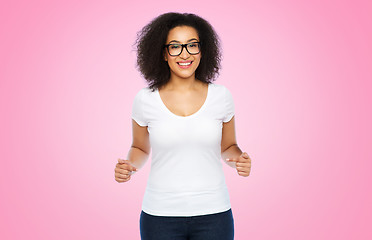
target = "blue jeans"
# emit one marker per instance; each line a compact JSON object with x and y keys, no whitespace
{"x":217,"y":226}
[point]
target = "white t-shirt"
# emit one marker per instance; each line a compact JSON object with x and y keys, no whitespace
{"x":186,"y":176}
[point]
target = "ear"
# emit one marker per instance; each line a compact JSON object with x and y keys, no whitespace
{"x":165,"y":56}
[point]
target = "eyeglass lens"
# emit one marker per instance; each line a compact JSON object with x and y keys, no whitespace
{"x":176,"y":49}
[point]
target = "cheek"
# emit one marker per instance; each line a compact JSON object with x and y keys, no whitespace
{"x":199,"y":58}
{"x":172,"y":64}
{"x":198,"y":61}
{"x":167,"y":57}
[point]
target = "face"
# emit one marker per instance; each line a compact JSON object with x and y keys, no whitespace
{"x":177,"y":64}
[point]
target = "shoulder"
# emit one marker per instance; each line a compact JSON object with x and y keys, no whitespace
{"x":219,"y":89}
{"x":144,"y":92}
{"x":146,"y":98}
{"x":218,"y":86}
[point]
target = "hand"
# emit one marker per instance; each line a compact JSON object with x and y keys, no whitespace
{"x":123,"y":170}
{"x":243,"y":164}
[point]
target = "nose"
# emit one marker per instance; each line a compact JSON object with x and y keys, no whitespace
{"x":184,"y":54}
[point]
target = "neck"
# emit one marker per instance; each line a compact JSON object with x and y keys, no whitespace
{"x":182,"y":84}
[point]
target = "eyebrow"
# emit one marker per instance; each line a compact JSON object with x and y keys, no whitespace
{"x":187,"y":41}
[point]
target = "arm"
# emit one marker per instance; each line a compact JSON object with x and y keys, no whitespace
{"x":230,"y":150}
{"x":229,"y":146}
{"x":140,"y":149}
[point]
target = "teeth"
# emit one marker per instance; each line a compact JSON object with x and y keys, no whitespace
{"x":184,"y":64}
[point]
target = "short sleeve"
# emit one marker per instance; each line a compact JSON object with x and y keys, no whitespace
{"x":137,"y":109}
{"x":229,"y":106}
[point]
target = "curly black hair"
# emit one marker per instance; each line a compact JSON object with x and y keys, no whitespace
{"x":150,"y":46}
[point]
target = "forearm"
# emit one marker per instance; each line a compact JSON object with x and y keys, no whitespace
{"x":137,"y":157}
{"x":230,"y":153}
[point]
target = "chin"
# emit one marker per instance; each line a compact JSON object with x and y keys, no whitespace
{"x":183,"y":75}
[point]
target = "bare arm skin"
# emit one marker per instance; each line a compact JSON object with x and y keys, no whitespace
{"x":137,"y":156}
{"x":229,"y":146}
{"x":231,"y":153}
{"x":140,"y":150}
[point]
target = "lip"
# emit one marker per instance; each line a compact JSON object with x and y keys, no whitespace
{"x":184,"y":67}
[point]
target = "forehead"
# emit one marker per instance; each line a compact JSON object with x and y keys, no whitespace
{"x":182,"y":34}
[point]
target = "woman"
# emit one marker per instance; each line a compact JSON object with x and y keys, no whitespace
{"x":189,"y":123}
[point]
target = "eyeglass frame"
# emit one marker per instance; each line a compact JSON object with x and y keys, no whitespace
{"x":182,"y":46}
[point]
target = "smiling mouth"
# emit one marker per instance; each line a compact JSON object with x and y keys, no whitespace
{"x":184,"y":63}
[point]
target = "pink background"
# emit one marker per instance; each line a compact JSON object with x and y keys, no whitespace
{"x":300,"y":74}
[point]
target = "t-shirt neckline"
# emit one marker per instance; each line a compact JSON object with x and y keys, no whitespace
{"x":189,"y":116}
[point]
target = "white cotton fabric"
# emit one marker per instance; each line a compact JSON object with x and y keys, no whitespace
{"x":186,"y":176}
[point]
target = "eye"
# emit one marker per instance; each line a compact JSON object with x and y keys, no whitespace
{"x":175,"y":46}
{"x":193,"y":45}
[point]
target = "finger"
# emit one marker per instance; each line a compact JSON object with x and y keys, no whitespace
{"x":243,"y":159}
{"x":118,"y":179}
{"x":121,"y":167}
{"x":120,"y":176}
{"x":131,"y":167}
{"x":243,"y":174}
{"x":124,"y":167}
{"x":120,"y":160}
{"x":245,"y":155}
{"x":244,"y":169}
{"x":127,"y":179}
{"x":128,"y":172}
{"x":123,"y":161}
{"x":124,"y":171}
{"x":243,"y":164}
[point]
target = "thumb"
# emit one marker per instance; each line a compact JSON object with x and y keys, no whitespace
{"x":122,"y":161}
{"x":245,"y":155}
{"x":231,"y":159}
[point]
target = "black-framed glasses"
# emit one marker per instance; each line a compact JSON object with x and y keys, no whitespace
{"x":175,"y":49}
